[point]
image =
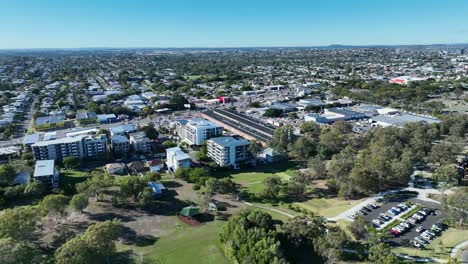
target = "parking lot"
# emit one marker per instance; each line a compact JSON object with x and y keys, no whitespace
{"x":406,"y":238}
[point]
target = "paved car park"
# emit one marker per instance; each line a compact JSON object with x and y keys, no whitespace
{"x":406,"y":238}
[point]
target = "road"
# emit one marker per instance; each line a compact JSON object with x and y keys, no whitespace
{"x":464,"y":256}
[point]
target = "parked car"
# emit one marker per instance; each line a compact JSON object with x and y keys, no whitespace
{"x":405,"y":224}
{"x":373,"y":205}
{"x":419,"y":229}
{"x":377,"y":222}
{"x":416,"y":244}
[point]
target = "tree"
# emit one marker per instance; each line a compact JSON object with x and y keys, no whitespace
{"x":226,"y":185}
{"x":19,"y":223}
{"x":317,"y":168}
{"x":150,"y":131}
{"x":96,"y":245}
{"x":177,"y":102}
{"x":250,"y":237}
{"x":71,"y":162}
{"x":182,"y":173}
{"x":295,"y":187}
{"x":358,"y":227}
{"x":152,"y":176}
{"x":303,"y":148}
{"x":381,"y":253}
{"x":19,"y":252}
{"x":446,"y":173}
{"x":273,"y":112}
{"x":55,"y":204}
{"x":272,"y":187}
{"x":282,"y":139}
{"x":311,"y":129}
{"x":211,"y":185}
{"x":444,"y":153}
{"x":79,"y":202}
{"x":7,"y":175}
{"x":146,"y":197}
{"x":35,"y":189}
{"x":94,"y":185}
{"x":255,"y":148}
{"x":456,"y":204}
{"x":302,"y":230}
{"x":132,"y":187}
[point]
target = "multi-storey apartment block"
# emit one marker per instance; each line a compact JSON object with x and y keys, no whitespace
{"x":228,"y":151}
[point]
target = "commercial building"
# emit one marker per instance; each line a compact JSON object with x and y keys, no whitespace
{"x":401,"y":119}
{"x":46,"y":173}
{"x":242,"y":125}
{"x":335,"y":114}
{"x":228,"y":151}
{"x":176,"y":158}
{"x":198,"y":130}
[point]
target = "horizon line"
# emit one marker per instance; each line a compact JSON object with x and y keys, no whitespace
{"x":240,"y":47}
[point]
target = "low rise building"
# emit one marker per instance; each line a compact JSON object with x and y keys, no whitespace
{"x":176,"y":159}
{"x":46,"y":173}
{"x":228,"y":151}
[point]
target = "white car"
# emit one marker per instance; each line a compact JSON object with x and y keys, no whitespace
{"x":419,"y":229}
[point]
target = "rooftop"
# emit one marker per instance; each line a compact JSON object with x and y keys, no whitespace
{"x":44,"y":168}
{"x":229,"y":141}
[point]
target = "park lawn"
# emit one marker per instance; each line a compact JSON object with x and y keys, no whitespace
{"x":328,"y":207}
{"x":69,"y":178}
{"x":439,"y":247}
{"x":252,"y":179}
{"x":185,"y":245}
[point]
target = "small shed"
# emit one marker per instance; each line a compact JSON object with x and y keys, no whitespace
{"x":157,"y":188}
{"x":190,"y":211}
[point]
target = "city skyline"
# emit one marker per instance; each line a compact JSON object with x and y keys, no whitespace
{"x":27,"y":24}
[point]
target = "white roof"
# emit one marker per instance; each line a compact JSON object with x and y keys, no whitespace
{"x":64,"y":140}
{"x":177,"y":153}
{"x":44,"y":168}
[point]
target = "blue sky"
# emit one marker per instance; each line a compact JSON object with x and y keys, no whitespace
{"x":229,"y":23}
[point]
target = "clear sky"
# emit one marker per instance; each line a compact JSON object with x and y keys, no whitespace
{"x":229,"y":23}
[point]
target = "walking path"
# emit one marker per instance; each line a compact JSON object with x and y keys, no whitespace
{"x":270,"y":209}
{"x":457,"y":248}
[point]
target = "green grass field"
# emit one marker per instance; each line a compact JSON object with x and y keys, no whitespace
{"x":328,"y":207}
{"x":184,"y":245}
{"x":252,"y":179}
{"x":69,"y":178}
{"x":439,"y":247}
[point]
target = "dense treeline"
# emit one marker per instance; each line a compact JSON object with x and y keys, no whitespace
{"x":382,"y":158}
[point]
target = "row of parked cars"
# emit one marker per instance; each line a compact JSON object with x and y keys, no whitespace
{"x":385,"y":217}
{"x":364,"y":210}
{"x":408,"y":223}
{"x":427,"y":235}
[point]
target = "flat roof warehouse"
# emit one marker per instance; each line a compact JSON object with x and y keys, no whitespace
{"x":240,"y":124}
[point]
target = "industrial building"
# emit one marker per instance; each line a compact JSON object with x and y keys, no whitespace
{"x":242,"y":125}
{"x":335,"y":114}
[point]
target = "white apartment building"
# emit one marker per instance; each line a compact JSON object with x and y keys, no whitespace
{"x":140,"y":142}
{"x":176,"y":158}
{"x":228,"y":151}
{"x":82,"y":147}
{"x":46,"y":173}
{"x":198,"y":130}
